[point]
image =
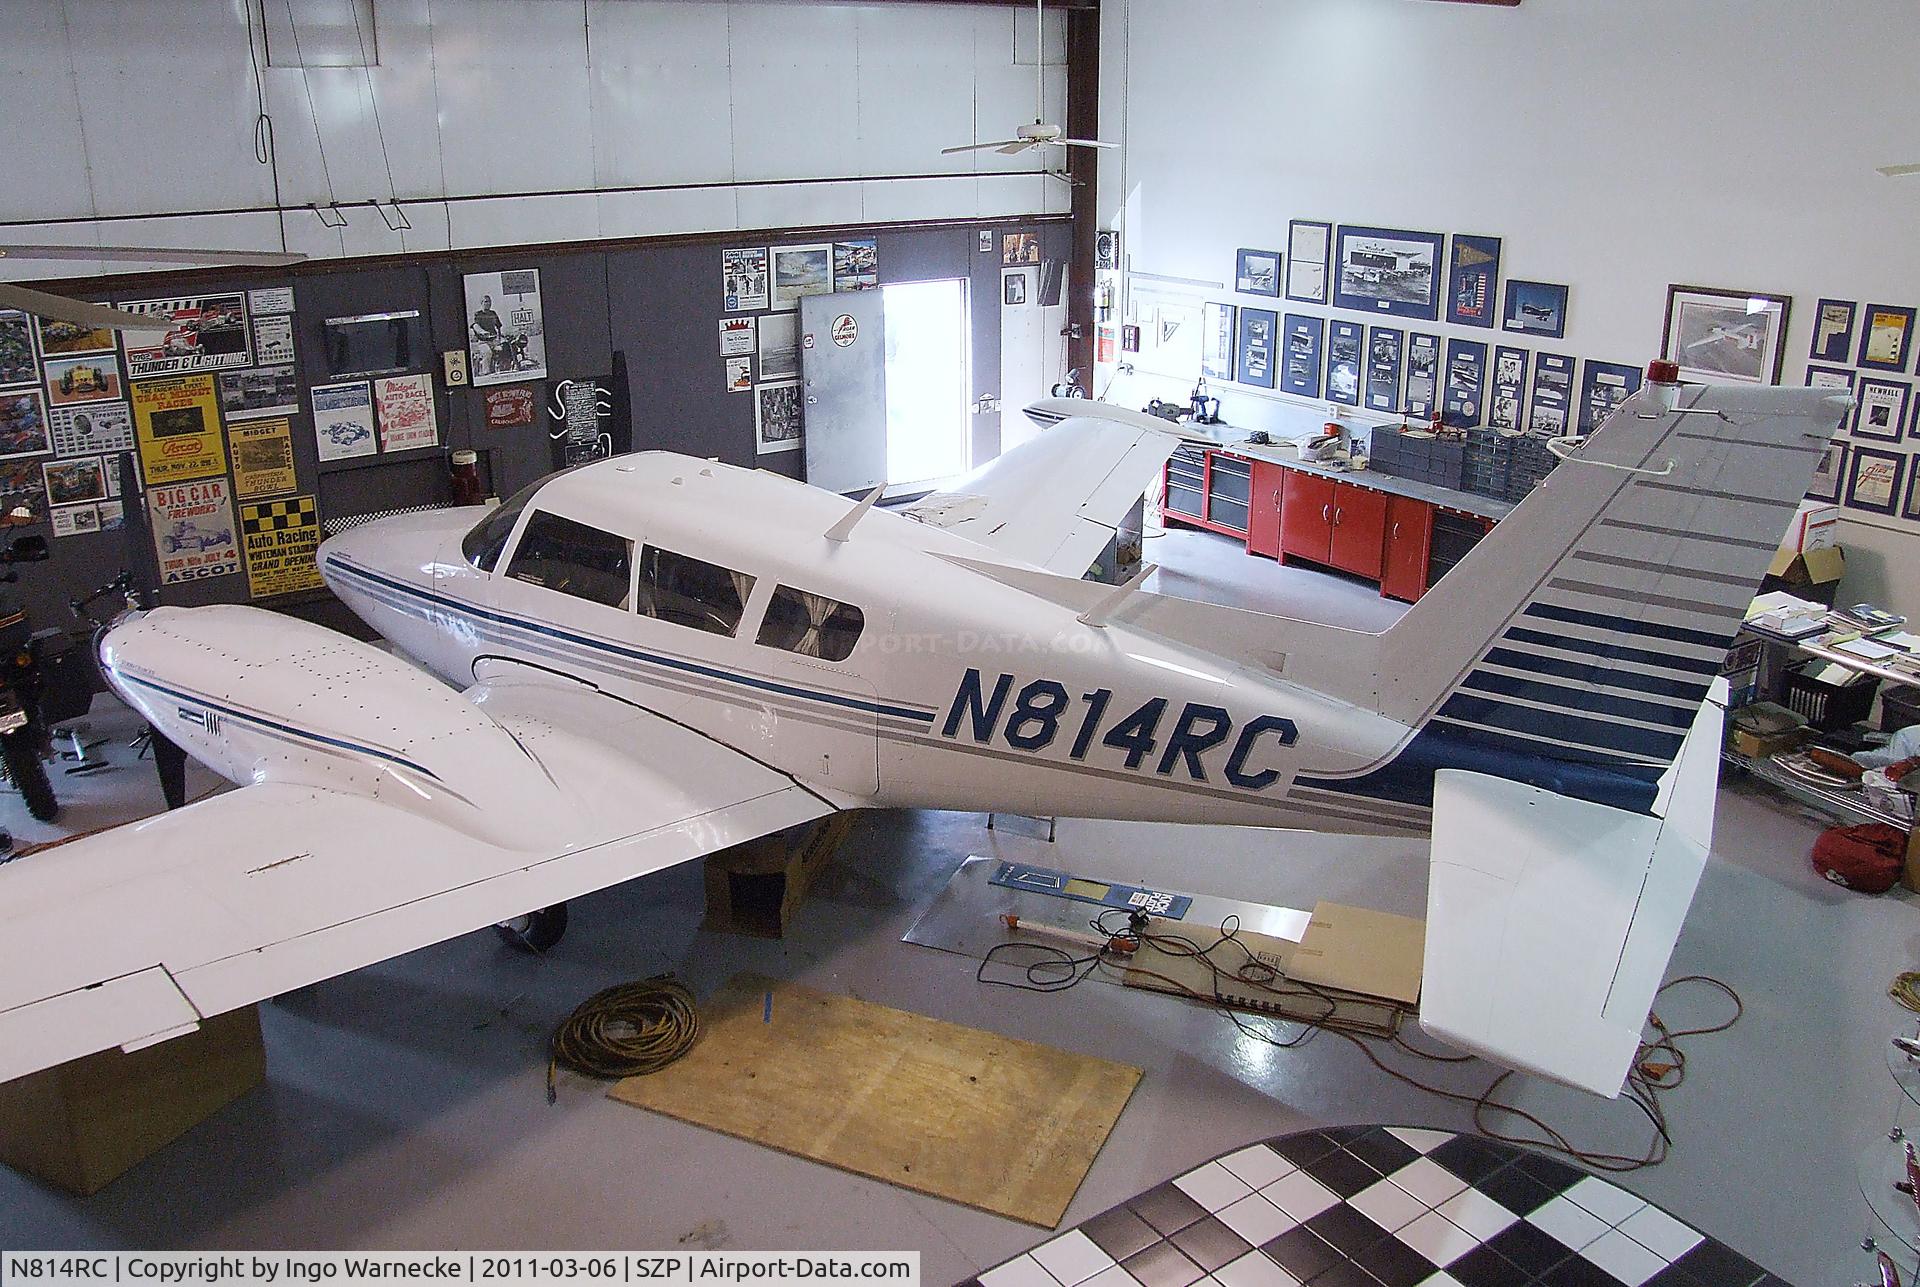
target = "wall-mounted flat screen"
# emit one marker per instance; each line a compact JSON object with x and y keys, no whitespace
{"x":376,"y":342}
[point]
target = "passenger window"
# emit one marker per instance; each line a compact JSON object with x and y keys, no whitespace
{"x":811,"y":624}
{"x":574,"y":559}
{"x":692,"y":592}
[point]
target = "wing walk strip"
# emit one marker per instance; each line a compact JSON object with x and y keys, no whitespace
{"x":405,"y":598}
{"x":1814,"y":450}
{"x":1716,"y":495}
{"x":1714,"y":538}
{"x":1536,"y":744}
{"x":1617,"y":595}
{"x":1504,"y":660}
{"x":1666,"y":569}
{"x":1540,"y":643}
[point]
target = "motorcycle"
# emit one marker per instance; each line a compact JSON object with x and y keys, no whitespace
{"x":45,"y":679}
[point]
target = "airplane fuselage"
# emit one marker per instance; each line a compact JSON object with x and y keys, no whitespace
{"x":959,"y":693}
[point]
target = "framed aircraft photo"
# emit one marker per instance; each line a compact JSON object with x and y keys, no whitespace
{"x":1389,"y":271}
{"x":1725,"y":336}
{"x":1257,"y":272}
{"x":1536,"y":308}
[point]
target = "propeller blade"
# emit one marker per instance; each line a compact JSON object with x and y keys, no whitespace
{"x":983,"y":147}
{"x":1084,"y":143}
{"x":156,"y":255}
{"x":72,"y":310}
{"x":1899,"y":171}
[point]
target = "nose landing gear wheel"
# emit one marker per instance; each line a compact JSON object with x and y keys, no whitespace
{"x":537,"y":931}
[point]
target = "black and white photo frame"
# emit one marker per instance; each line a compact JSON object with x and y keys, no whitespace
{"x":1389,"y":271}
{"x":1300,"y":355}
{"x":1386,"y":346}
{"x":1423,"y":375}
{"x":1833,"y":331}
{"x":1308,"y":243}
{"x":1257,"y":341}
{"x":1536,"y":308}
{"x":1257,"y":272}
{"x":1344,"y":343}
{"x":1721,"y":336}
{"x":1466,"y":382}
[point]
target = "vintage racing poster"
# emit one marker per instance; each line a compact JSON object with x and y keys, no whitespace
{"x":193,"y":531}
{"x":91,"y":429}
{"x":177,"y":423}
{"x":282,"y":540}
{"x":207,"y":333}
{"x":262,"y":457}
{"x":406,"y":416}
{"x":343,"y":420}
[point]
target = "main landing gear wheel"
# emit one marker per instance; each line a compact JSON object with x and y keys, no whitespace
{"x":20,"y":750}
{"x":536,"y":931}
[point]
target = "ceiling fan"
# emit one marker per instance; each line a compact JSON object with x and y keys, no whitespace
{"x":1039,"y":134}
{"x":61,"y":308}
{"x":1899,"y":171}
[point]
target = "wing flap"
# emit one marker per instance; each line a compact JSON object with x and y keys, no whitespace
{"x":1550,"y":920}
{"x":126,"y":1011}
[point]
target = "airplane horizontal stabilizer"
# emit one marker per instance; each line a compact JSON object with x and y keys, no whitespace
{"x":1550,"y":920}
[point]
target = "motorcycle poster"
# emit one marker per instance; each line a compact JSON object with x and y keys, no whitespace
{"x":343,"y":420}
{"x":193,"y":531}
{"x":177,"y":423}
{"x":283,"y":545}
{"x":506,"y":337}
{"x":207,"y":333}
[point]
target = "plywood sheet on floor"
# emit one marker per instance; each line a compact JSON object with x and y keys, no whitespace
{"x":1007,"y":1126}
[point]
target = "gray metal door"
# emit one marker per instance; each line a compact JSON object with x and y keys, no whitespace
{"x":843,"y":377}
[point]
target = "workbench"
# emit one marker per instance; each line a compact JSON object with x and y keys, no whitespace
{"x":1401,"y":533}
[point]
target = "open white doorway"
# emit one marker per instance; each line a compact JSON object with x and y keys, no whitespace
{"x":928,"y":376}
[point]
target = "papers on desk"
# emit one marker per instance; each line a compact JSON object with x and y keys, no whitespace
{"x":1784,"y":616}
{"x":1867,"y":649}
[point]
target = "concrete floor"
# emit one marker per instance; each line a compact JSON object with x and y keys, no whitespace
{"x":406,"y":1103}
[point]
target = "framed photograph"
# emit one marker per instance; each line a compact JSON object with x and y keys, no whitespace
{"x":1910,"y":507}
{"x":799,"y":271}
{"x":1219,"y":325}
{"x":1307,"y":246}
{"x":70,"y":339}
{"x":1423,"y":375}
{"x":776,"y":417}
{"x":1300,"y":358}
{"x":91,"y":429}
{"x":1726,"y":336}
{"x":342,"y":421}
{"x":1013,"y":289}
{"x":83,"y":379}
{"x":1129,"y":337}
{"x":778,"y":338}
{"x":1343,"y":362}
{"x":506,"y":333}
{"x":1885,"y":338}
{"x":1508,"y":388}
{"x":1385,"y":349}
{"x":1880,"y":411}
{"x":1873,"y":479}
{"x":1829,"y":377}
{"x":1831,"y":473}
{"x":1257,"y":272}
{"x":1473,"y":280}
{"x":1466,"y":382}
{"x":856,"y":265}
{"x":17,"y":365}
{"x":1833,"y":331}
{"x":22,"y":487}
{"x":71,"y":481}
{"x":1549,"y":406}
{"x":1389,"y":270}
{"x":23,"y":424}
{"x":1018,"y":249}
{"x":1605,"y":386}
{"x":1258,"y":333}
{"x":1536,"y":308}
{"x":259,"y":391}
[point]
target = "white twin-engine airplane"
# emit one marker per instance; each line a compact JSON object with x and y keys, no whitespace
{"x":654,"y":657}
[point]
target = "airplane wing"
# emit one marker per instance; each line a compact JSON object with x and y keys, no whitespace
{"x":1550,"y":920}
{"x":134,"y":935}
{"x":1056,"y":500}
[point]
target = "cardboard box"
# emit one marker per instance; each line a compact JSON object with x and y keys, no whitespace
{"x":1811,"y":574}
{"x":1815,"y":527}
{"x":81,"y":1125}
{"x":1757,"y":746}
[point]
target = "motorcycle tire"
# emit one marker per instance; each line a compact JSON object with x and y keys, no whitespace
{"x":537,"y":931}
{"x":20,"y":750}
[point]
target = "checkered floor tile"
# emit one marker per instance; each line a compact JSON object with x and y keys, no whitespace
{"x":1371,"y":1206}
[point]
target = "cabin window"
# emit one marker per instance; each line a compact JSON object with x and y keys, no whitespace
{"x":585,"y":562}
{"x":811,"y":624}
{"x":692,"y":592}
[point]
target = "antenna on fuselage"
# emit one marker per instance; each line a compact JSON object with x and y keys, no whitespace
{"x":841,"y":530}
{"x":1100,"y":613}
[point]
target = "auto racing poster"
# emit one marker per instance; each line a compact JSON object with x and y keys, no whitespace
{"x":193,"y":531}
{"x":177,"y":425}
{"x":406,"y":417}
{"x":343,"y":420}
{"x":283,"y":544}
{"x":262,"y":457}
{"x":204,"y":333}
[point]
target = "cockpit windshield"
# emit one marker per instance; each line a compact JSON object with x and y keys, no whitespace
{"x":490,"y":535}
